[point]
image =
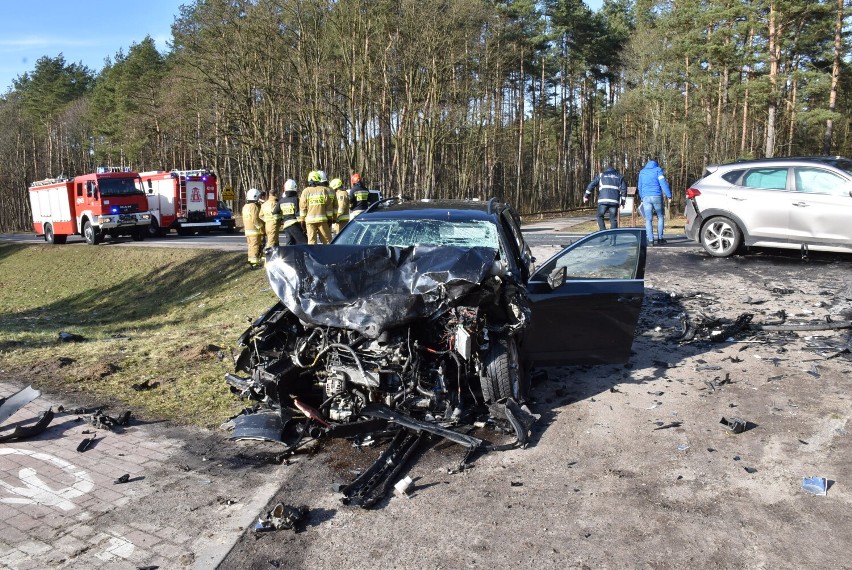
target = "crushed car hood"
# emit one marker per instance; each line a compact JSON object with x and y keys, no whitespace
{"x":371,"y":289}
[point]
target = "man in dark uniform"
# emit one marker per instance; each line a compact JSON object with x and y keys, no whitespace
{"x":291,"y":230}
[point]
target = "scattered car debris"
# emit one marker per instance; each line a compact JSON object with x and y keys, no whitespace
{"x":734,"y":425}
{"x":145,"y":385}
{"x":815,"y":485}
{"x":85,"y":444}
{"x":102,"y":421}
{"x":750,"y":470}
{"x":123,"y":479}
{"x":669,"y":425}
{"x":704,"y":327}
{"x":24,"y":432}
{"x":282,"y":517}
{"x":404,"y":486}
{"x":16,"y":401}
{"x":71,"y":337}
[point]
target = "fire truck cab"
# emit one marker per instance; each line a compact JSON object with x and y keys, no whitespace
{"x":181,"y":199}
{"x":109,"y":202}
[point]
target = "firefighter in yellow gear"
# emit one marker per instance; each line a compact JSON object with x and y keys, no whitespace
{"x":253,"y":227}
{"x":317,"y":208}
{"x":270,"y":213}
{"x":341,"y":215}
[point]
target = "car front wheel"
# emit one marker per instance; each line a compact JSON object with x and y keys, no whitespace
{"x":503,"y":375}
{"x":720,"y":237}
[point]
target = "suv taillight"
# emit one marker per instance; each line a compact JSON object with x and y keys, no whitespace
{"x":692,"y":193}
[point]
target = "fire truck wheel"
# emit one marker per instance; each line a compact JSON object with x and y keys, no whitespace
{"x":154,"y":229}
{"x":48,"y":233}
{"x":91,"y":234}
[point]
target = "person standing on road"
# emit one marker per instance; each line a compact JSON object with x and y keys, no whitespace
{"x":270,"y":213}
{"x":253,"y":227}
{"x":316,"y":208}
{"x":612,"y":192}
{"x":341,"y":215}
{"x":359,"y":196}
{"x":291,"y":230}
{"x":651,"y":187}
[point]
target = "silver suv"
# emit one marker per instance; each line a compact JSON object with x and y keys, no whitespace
{"x":790,"y":203}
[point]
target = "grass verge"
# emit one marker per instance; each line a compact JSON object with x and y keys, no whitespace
{"x":171,"y":316}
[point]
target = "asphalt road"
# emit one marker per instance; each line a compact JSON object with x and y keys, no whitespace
{"x":552,"y":232}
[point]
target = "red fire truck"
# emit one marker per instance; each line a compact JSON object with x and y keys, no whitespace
{"x":181,"y":199}
{"x":108,"y":202}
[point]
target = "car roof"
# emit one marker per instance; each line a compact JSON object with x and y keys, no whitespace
{"x":836,"y":161}
{"x":456,"y":210}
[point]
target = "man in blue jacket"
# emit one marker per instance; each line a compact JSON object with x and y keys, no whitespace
{"x":611,"y":194}
{"x":652,"y":184}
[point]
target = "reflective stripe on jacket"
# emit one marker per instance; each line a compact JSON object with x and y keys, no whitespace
{"x":316,"y":205}
{"x":342,"y":206}
{"x":289,"y":210}
{"x":251,"y":219}
{"x":611,"y":187}
{"x":270,"y":211}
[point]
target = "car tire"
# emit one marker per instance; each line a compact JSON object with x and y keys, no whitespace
{"x":503,"y":377}
{"x":720,"y":236}
{"x":90,"y":234}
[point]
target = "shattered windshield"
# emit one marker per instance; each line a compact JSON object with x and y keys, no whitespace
{"x":408,"y":232}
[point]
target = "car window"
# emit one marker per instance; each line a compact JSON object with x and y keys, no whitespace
{"x":407,"y":232}
{"x":733,"y":176}
{"x":819,"y":181}
{"x":598,"y":258}
{"x":766,"y":178}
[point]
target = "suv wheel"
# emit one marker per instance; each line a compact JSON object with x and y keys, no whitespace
{"x":720,"y":237}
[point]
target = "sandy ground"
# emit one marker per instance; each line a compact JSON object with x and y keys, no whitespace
{"x":629,"y":466}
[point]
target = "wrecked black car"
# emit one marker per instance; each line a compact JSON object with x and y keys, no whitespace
{"x":431,"y":315}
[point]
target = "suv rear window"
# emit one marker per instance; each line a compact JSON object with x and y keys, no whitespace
{"x":732,"y":177}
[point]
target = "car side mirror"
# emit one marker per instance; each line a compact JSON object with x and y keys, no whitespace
{"x":556,"y":278}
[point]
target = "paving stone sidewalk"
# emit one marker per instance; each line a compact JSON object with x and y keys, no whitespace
{"x":185,"y":504}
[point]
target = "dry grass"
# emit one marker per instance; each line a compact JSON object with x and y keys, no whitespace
{"x":674,"y":224}
{"x":171,"y":316}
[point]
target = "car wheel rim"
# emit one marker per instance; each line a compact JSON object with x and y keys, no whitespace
{"x":719,"y":237}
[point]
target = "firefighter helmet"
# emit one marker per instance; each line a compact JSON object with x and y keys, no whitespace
{"x":317,"y":176}
{"x":253,"y":195}
{"x":290,"y":185}
{"x":336,"y":183}
{"x":321,"y":177}
{"x":355,"y":178}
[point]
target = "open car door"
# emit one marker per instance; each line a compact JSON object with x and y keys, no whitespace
{"x":586,"y":300}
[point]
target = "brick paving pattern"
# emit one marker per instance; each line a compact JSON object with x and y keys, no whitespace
{"x":60,"y":508}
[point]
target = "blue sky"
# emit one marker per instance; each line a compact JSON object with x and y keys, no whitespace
{"x":83,"y":31}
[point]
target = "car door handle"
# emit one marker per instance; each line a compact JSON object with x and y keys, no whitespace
{"x":738,"y":198}
{"x":801,"y":204}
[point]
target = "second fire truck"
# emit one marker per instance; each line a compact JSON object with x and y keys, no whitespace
{"x":184,"y":200}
